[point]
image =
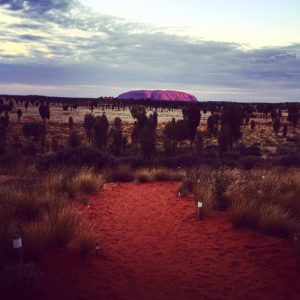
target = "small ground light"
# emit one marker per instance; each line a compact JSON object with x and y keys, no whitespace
{"x":97,"y":246}
{"x":17,"y":244}
{"x":89,"y":210}
{"x":199,"y":210}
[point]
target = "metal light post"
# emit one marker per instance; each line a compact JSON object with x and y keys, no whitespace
{"x":17,"y":244}
{"x":199,"y":210}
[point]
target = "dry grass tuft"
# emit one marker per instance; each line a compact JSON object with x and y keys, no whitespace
{"x":86,"y":242}
{"x":165,"y":174}
{"x":122,"y":173}
{"x":85,"y":182}
{"x":266,"y":200}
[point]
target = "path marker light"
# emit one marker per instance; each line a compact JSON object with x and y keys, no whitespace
{"x":17,"y":244}
{"x":97,"y":247}
{"x":199,"y":210}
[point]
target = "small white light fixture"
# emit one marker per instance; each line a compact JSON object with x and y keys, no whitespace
{"x":199,"y":210}
{"x":97,"y":246}
{"x":17,"y":242}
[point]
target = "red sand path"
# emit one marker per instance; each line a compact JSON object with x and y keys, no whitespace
{"x":154,"y":249}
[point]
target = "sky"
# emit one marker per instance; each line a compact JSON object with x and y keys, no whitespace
{"x":231,"y":50}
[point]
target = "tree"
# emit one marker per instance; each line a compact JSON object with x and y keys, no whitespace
{"x":232,"y":118}
{"x":147,"y":141}
{"x":44,"y":112}
{"x":276,"y":125}
{"x":26,"y":105}
{"x":71,"y":123}
{"x":170,"y":133}
{"x":293,"y":115}
{"x":247,"y":119}
{"x":116,"y":136}
{"x":182,"y":130}
{"x":100,"y":130}
{"x":19,"y":113}
{"x":199,"y":150}
{"x":134,"y":135}
{"x":138,"y":112}
{"x":211,"y":125}
{"x":89,"y":121}
{"x":4,"y":123}
{"x":225,"y":139}
{"x":285,"y":130}
{"x":192,"y":115}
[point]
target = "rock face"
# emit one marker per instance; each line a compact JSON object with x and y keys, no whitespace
{"x":157,"y":95}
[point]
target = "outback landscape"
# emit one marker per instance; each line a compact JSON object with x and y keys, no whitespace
{"x":104,"y":194}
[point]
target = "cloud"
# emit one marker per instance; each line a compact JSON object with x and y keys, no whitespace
{"x":36,"y":6}
{"x":65,"y":43}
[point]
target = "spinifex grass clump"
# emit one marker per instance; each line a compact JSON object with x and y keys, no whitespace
{"x":85,"y":182}
{"x":267,"y":200}
{"x":165,"y":174}
{"x":210,"y":188}
{"x":126,"y":174}
{"x":122,"y":173}
{"x":40,"y":209}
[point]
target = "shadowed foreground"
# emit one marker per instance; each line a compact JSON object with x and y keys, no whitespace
{"x":154,"y":249}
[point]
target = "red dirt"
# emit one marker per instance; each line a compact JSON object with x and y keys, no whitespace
{"x":154,"y":249}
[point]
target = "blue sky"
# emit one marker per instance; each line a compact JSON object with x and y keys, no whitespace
{"x":217,"y":50}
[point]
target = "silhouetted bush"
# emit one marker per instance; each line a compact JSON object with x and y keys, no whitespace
{"x":79,"y":157}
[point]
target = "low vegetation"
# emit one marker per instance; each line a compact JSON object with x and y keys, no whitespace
{"x":38,"y":207}
{"x":266,"y":200}
{"x":124,"y":173}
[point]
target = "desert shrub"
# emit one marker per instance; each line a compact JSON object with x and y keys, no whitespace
{"x":243,"y":213}
{"x":203,"y":193}
{"x":29,"y":149}
{"x":35,"y":130}
{"x":74,"y":139}
{"x":247,"y":163}
{"x":165,"y":174}
{"x":274,"y":220}
{"x":221,"y":180}
{"x":142,"y":176}
{"x":63,"y":225}
{"x":21,"y":281}
{"x":123,"y":173}
{"x":39,"y":210}
{"x":77,"y":157}
{"x":291,"y":159}
{"x":266,"y":200}
{"x":84,"y":181}
{"x":186,"y":187}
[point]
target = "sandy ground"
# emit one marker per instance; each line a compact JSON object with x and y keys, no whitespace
{"x":153,"y":248}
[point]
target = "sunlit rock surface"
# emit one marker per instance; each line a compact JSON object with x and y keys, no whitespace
{"x":157,"y":95}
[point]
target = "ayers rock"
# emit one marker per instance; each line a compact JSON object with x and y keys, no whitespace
{"x":157,"y":95}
